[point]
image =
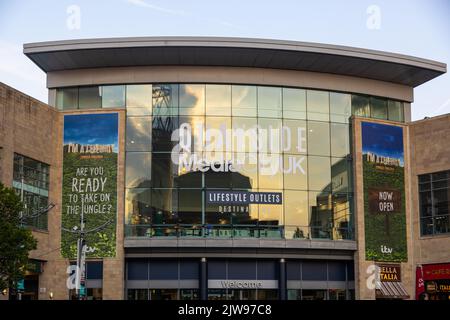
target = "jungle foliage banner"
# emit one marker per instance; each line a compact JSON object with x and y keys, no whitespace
{"x":384,"y":192}
{"x":90,"y":183}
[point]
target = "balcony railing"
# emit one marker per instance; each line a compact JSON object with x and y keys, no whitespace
{"x":237,"y":231}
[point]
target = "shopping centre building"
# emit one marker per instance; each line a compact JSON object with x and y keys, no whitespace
{"x":227,"y":168}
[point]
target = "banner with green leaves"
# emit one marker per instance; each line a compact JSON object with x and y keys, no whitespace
{"x":90,"y":156}
{"x":384,"y":192}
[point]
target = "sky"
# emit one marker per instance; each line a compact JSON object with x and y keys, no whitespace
{"x":413,"y":27}
{"x":91,"y":129}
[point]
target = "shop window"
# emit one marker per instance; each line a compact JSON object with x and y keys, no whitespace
{"x":269,"y":102}
{"x":31,"y":183}
{"x":340,"y":107}
{"x":434,"y":203}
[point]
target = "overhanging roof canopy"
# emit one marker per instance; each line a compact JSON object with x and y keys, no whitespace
{"x":233,"y":52}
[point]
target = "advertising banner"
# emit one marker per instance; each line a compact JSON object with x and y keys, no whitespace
{"x":90,"y":183}
{"x":384,"y":192}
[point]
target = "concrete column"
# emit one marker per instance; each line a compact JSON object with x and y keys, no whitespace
{"x":203,"y":281}
{"x":282,"y":280}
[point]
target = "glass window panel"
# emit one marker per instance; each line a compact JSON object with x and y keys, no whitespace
{"x":360,"y":106}
{"x":192,"y":99}
{"x":319,"y":138}
{"x":139,"y":134}
{"x":113,"y":96}
{"x":187,"y":177}
{"x":217,"y":269}
{"x":294,"y":294}
{"x":340,"y":140}
{"x":340,"y":178}
{"x":244,"y":101}
{"x":165,"y":99}
{"x":269,"y":135}
{"x":320,"y":215}
{"x":424,"y":178}
{"x":318,"y":105}
{"x":436,"y":176}
{"x":246,"y":171}
{"x":138,"y":169}
{"x":378,"y":108}
{"x":340,"y":107}
{"x":314,"y":271}
{"x":270,"y":171}
{"x":426,"y":208}
{"x":269,"y":102}
{"x":395,"y":110}
{"x":294,"y":136}
{"x":218,"y":100}
{"x":294,"y":103}
{"x":218,"y":136}
{"x":341,"y":216}
{"x":165,"y":206}
{"x":242,"y":270}
{"x":190,"y":206}
{"x":137,"y":294}
{"x":163,"y":270}
{"x":139,"y":100}
{"x":336,"y":271}
{"x":137,"y":270}
{"x":295,"y":172}
{"x":67,"y":98}
{"x":267,"y":270}
{"x":271,"y":214}
{"x":319,"y":173}
{"x":89,"y":97}
{"x":138,"y":206}
{"x":197,"y":132}
{"x":218,"y":179}
{"x":162,"y":130}
{"x":244,"y":134}
{"x":293,"y":270}
{"x":164,"y":171}
{"x":296,"y":214}
{"x":267,"y":294}
{"x":216,"y":214}
{"x":189,"y":270}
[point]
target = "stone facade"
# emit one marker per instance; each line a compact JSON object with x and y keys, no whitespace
{"x":34,"y":129}
{"x":430,"y":152}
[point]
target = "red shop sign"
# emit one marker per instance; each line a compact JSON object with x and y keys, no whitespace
{"x":436,"y":271}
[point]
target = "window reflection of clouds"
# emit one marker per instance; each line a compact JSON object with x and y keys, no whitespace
{"x":138,"y":169}
{"x":244,"y":101}
{"x":138,"y":136}
{"x":218,"y":100}
{"x":192,"y":99}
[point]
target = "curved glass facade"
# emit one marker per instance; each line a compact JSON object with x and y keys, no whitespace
{"x":208,"y":160}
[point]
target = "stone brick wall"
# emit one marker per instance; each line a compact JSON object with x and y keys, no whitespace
{"x":30,"y":127}
{"x":34,"y":129}
{"x":430,"y":150}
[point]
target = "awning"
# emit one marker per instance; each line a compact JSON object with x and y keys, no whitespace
{"x":391,"y":290}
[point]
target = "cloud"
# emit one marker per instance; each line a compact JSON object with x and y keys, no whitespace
{"x":443,"y":108}
{"x":144,"y":4}
{"x":19,"y":72}
{"x":15,"y":63}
